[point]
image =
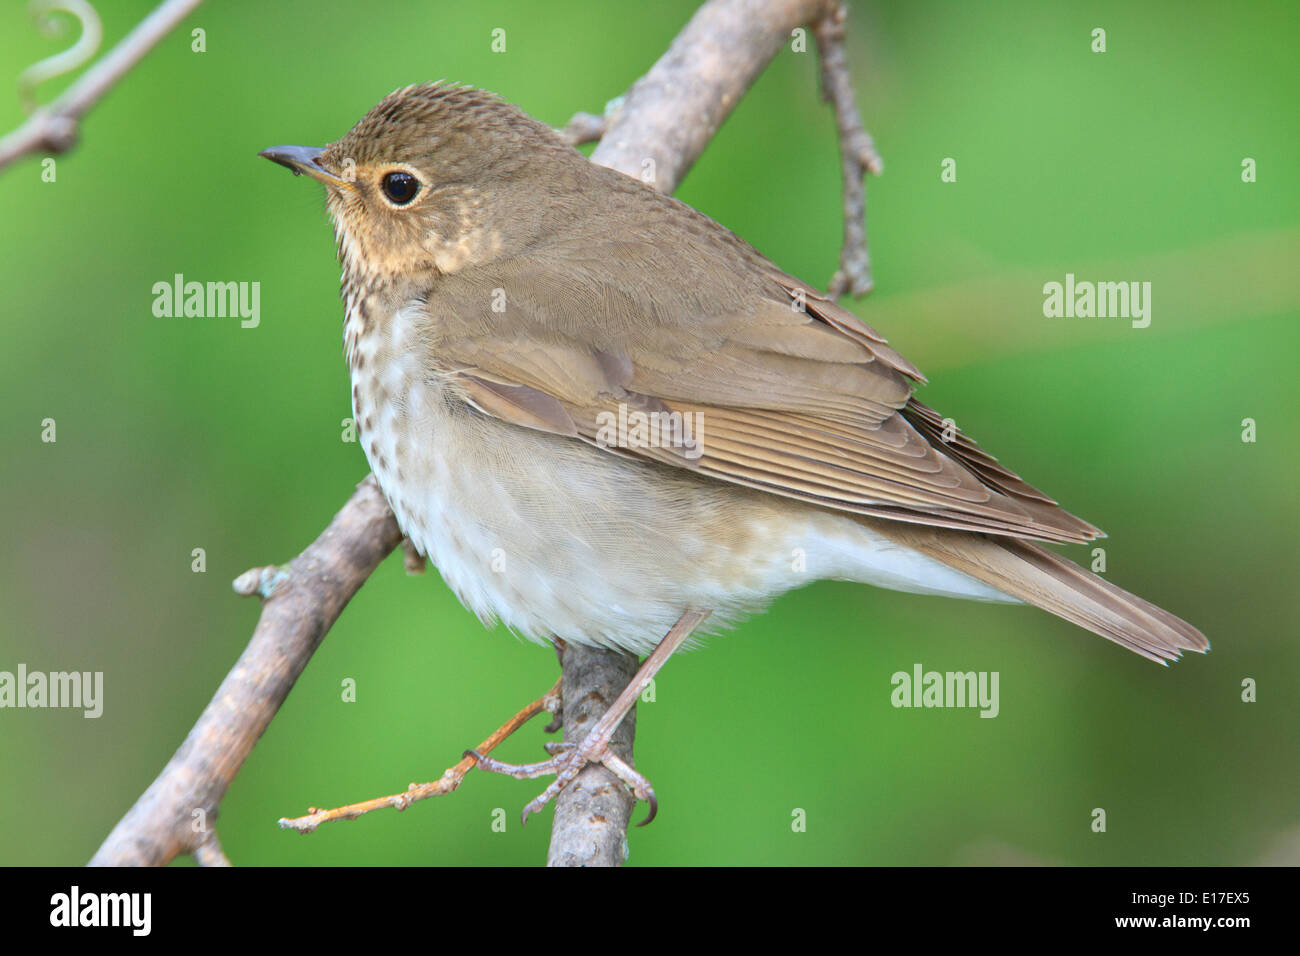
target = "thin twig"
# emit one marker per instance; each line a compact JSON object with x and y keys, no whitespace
{"x":65,"y":61}
{"x":858,"y":154}
{"x":548,"y":703}
{"x":53,"y":129}
{"x":209,"y":852}
{"x":583,"y":128}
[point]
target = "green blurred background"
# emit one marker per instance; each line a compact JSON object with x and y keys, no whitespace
{"x":175,"y":434}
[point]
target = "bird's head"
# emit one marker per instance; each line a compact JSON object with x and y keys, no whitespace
{"x":436,"y":178}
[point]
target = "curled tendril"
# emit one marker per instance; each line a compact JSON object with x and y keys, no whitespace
{"x":92,"y":31}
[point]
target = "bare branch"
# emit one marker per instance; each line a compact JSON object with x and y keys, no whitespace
{"x":592,"y":812}
{"x":209,"y":852}
{"x":177,"y":812}
{"x":583,"y":128}
{"x":53,"y":129}
{"x":858,"y":154}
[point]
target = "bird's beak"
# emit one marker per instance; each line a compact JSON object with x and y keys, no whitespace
{"x":304,"y":160}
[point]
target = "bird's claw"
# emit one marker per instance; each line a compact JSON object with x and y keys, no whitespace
{"x":566,"y":765}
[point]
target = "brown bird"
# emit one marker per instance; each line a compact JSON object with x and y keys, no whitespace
{"x":606,"y":418}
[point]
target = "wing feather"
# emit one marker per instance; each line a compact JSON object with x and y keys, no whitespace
{"x":795,"y":395}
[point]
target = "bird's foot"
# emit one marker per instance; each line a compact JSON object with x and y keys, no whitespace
{"x":566,"y":763}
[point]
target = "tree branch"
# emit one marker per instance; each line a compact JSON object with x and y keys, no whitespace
{"x":583,"y":128}
{"x":53,"y":129}
{"x":858,"y":154}
{"x":592,"y":813}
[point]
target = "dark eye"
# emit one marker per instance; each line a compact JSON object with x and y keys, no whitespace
{"x":400,"y":188}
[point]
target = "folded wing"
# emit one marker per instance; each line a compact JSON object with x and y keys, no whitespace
{"x":791,"y":394}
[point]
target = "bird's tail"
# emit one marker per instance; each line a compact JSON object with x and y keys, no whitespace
{"x":1044,"y":579}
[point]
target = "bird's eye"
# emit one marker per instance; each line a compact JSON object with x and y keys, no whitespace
{"x":400,"y":188}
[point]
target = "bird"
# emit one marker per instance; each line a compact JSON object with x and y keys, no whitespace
{"x":607,"y":419}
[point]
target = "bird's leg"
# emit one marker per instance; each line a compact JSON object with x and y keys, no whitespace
{"x":595,"y":746}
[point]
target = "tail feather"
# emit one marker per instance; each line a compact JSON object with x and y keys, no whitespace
{"x":1044,"y":579}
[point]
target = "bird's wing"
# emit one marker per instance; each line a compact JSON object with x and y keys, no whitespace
{"x":787,"y":392}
